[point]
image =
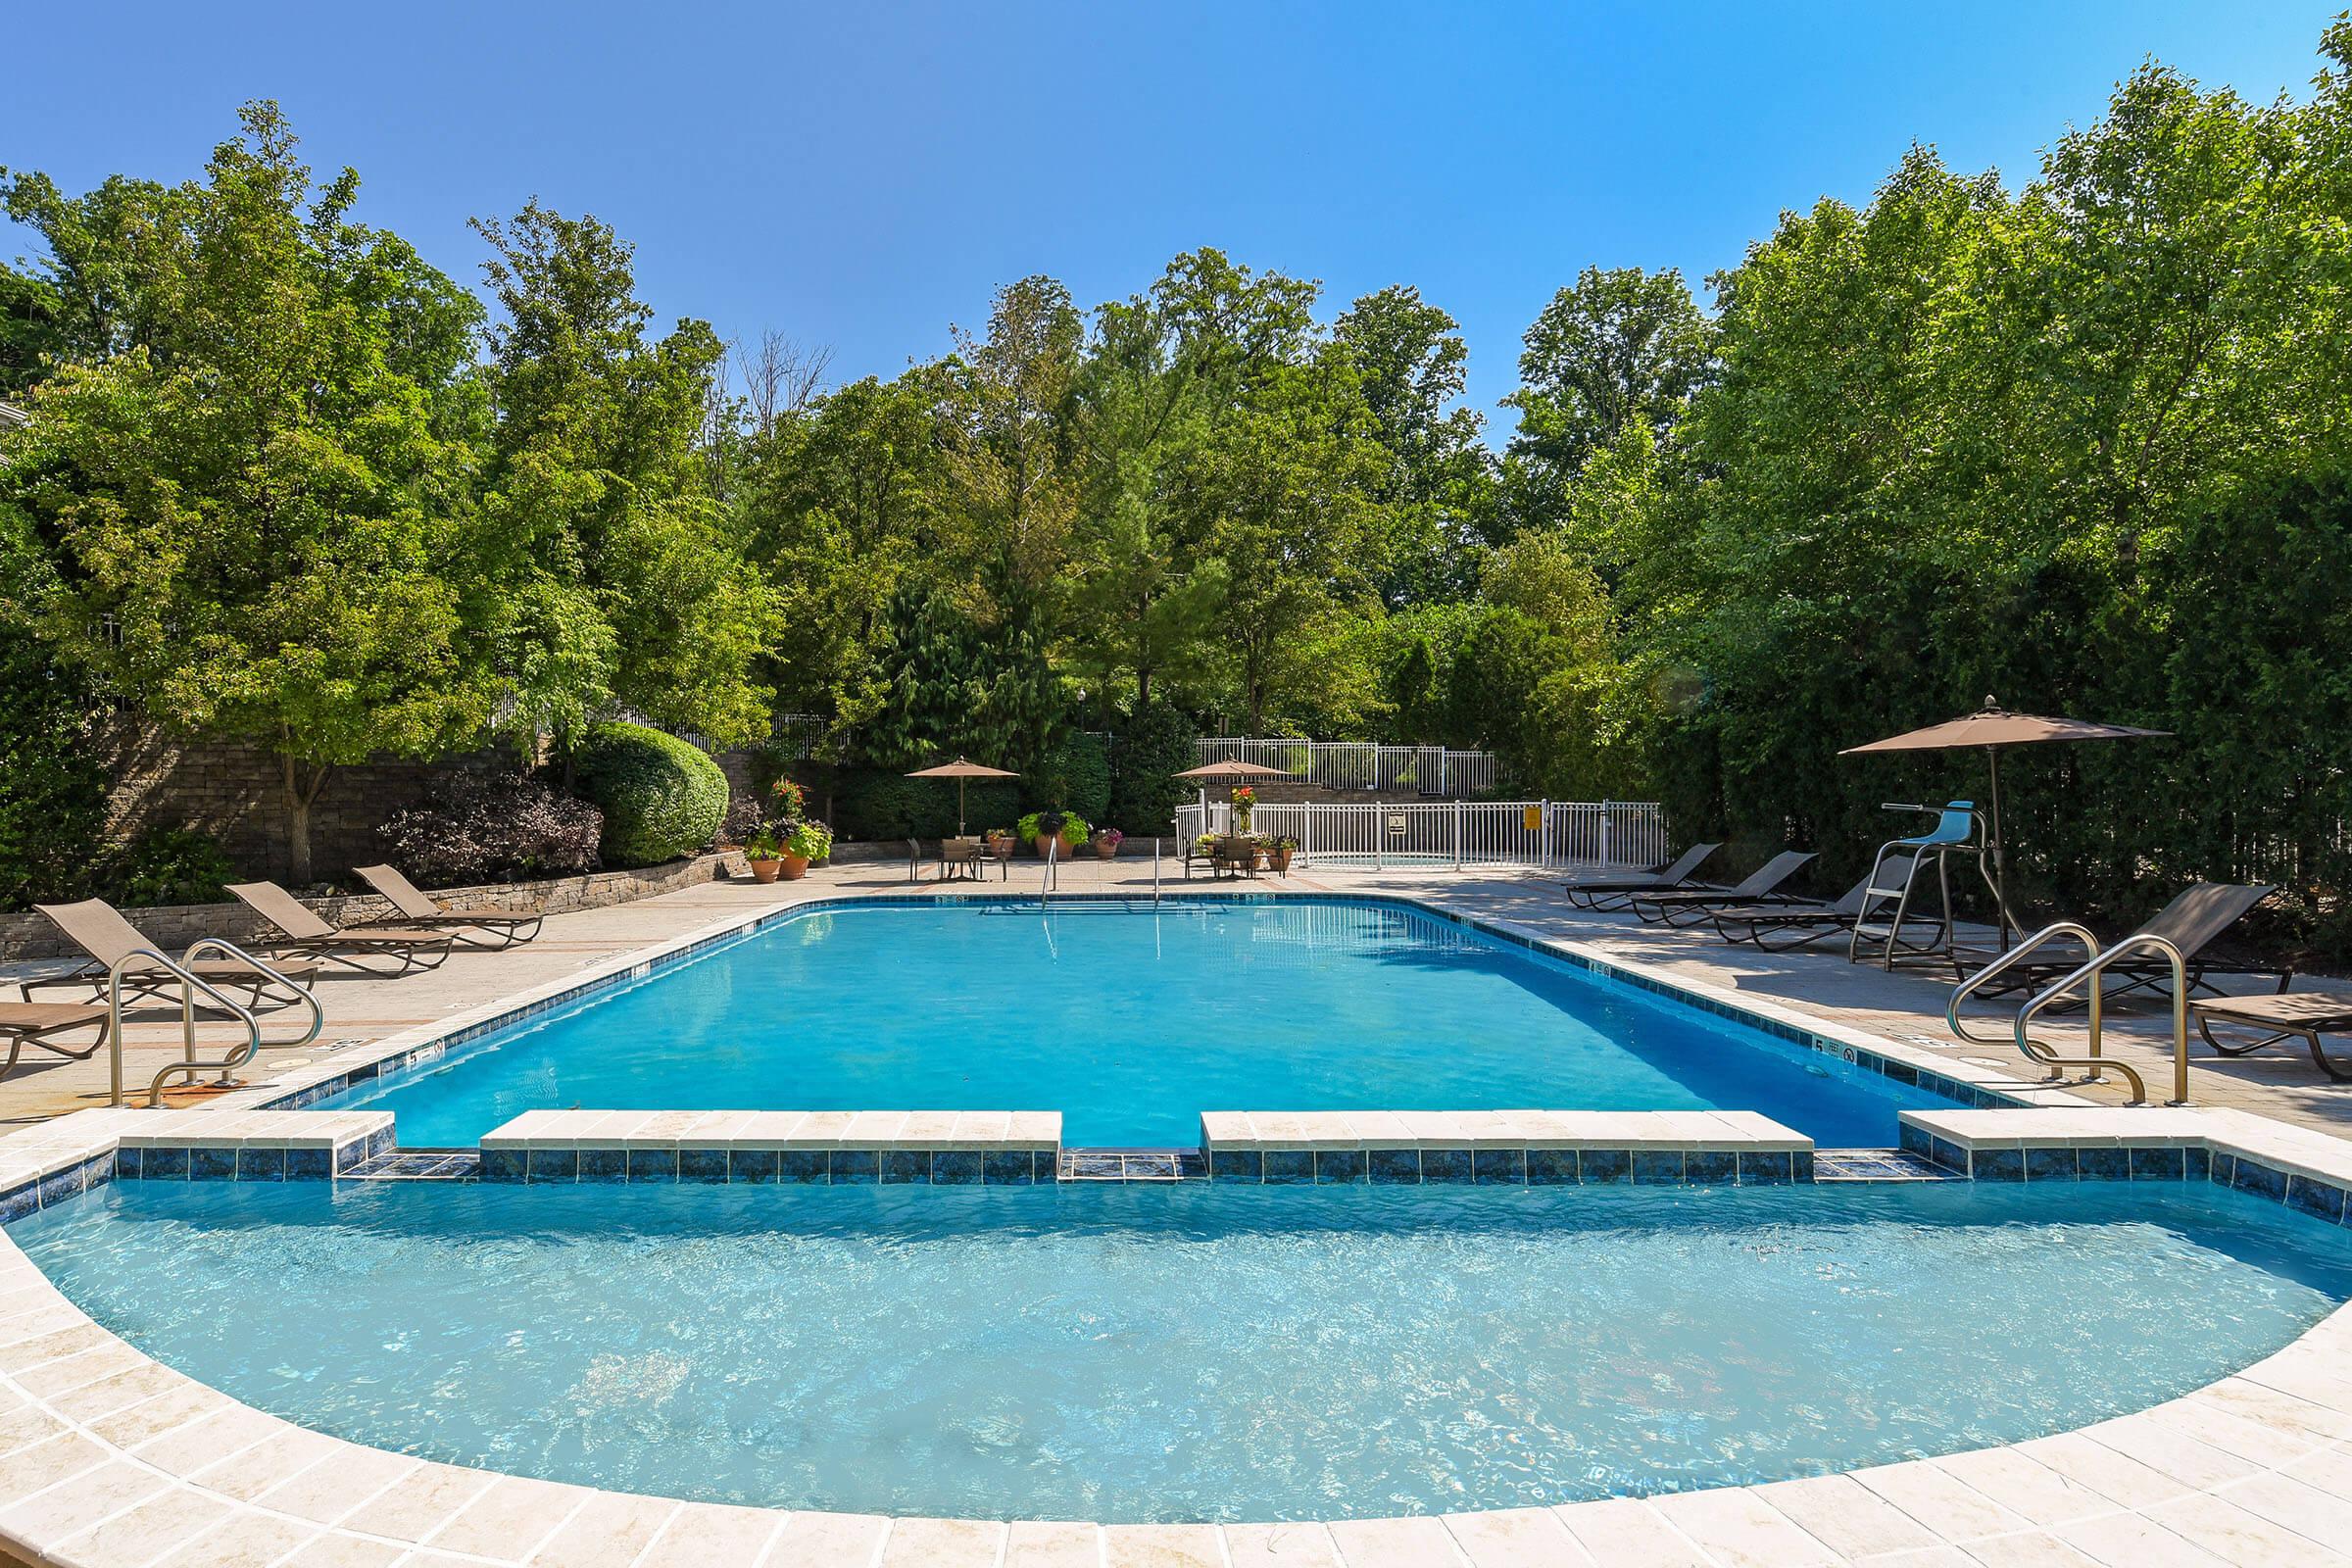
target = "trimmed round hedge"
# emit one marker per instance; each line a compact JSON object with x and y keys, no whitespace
{"x":662,"y":800}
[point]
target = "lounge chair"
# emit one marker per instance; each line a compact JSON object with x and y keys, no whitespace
{"x":2196,"y":918}
{"x":1609,"y":893}
{"x":1690,"y":906}
{"x":1781,"y":927}
{"x":312,"y":937}
{"x":2280,"y":1016}
{"x":39,"y":1023}
{"x":98,"y":928}
{"x":498,"y":928}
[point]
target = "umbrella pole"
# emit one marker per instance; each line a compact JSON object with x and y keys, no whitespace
{"x":2000,"y":851}
{"x":959,"y":807}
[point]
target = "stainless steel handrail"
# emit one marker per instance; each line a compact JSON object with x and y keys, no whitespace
{"x":1047,"y":880}
{"x":190,"y":984}
{"x":1155,"y":871}
{"x":2096,"y":963}
{"x":2092,"y":971}
{"x":1975,"y":982}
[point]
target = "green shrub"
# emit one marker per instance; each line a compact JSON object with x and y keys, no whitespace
{"x":52,"y":790}
{"x":167,"y":865}
{"x":1152,"y":746}
{"x":878,"y":805}
{"x":1075,"y":775}
{"x":662,"y":800}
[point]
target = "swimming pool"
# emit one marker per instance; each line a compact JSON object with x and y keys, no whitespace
{"x":1130,"y":1021}
{"x":1192,"y":1352}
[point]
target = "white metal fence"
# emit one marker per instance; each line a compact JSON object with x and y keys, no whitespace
{"x":1382,"y":834}
{"x":1360,"y":764}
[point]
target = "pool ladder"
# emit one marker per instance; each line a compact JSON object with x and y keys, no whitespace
{"x":183,"y":968}
{"x":2096,"y":963}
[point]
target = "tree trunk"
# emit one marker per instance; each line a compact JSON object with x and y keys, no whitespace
{"x":300,"y":794}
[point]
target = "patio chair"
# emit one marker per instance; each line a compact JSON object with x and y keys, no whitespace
{"x":1609,"y":893}
{"x":1233,"y":855}
{"x":1784,"y":927}
{"x":98,"y":928}
{"x":2199,"y":917}
{"x":968,"y":858}
{"x":498,"y":928}
{"x":1690,"y":906}
{"x":312,"y":937}
{"x":2278,"y":1016}
{"x":39,"y":1023}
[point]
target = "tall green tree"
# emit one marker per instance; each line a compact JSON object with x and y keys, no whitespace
{"x":263,"y":486}
{"x":619,"y":579}
{"x":1619,"y":344}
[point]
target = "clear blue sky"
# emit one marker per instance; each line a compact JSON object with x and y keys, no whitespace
{"x":861,"y":175}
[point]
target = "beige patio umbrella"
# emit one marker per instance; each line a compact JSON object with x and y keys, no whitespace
{"x":1227,"y":773}
{"x":1993,"y":727}
{"x":962,"y":772}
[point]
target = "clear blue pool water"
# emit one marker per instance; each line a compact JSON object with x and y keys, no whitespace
{"x":1189,"y":1353}
{"x":1130,"y":1022}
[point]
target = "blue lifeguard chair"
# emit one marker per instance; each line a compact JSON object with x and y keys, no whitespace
{"x":1889,"y":900}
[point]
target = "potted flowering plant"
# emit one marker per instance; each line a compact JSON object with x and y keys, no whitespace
{"x":1279,"y":851}
{"x":763,"y":853}
{"x":805,"y":842}
{"x":1000,"y":842}
{"x":1244,"y":801}
{"x":1105,"y":842}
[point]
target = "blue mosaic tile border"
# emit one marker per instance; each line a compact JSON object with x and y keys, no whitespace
{"x":2168,"y":1163}
{"x":55,"y":1187}
{"x":1510,"y":1167}
{"x":246,"y":1162}
{"x":1941,"y":1085}
{"x":840,"y":1167}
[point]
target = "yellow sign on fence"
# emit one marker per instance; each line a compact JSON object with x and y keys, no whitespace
{"x":1535,"y":819}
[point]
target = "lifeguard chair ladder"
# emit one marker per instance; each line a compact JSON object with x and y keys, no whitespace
{"x":1886,"y":904}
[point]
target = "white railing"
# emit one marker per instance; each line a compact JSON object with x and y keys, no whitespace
{"x":1360,"y":764}
{"x":1457,"y":833}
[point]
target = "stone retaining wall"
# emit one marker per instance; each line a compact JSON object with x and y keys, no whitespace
{"x":31,"y":935}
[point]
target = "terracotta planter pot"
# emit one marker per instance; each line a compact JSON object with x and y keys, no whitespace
{"x":763,"y":870}
{"x":796,"y":866}
{"x":1103,"y":848}
{"x":1279,"y":859}
{"x":1001,"y":848}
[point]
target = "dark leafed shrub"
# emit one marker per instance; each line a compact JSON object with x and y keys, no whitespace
{"x":167,"y":865}
{"x":879,"y":805}
{"x":662,"y":800}
{"x":1152,"y":746}
{"x":493,"y":827}
{"x":52,"y":788}
{"x":1074,"y":775}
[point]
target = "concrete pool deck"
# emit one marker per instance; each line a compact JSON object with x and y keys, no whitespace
{"x":1905,"y":1006}
{"x":114,"y":1459}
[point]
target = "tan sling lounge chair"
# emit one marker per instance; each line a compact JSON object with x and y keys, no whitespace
{"x":1615,"y":892}
{"x":2276,"y":1017}
{"x":2199,"y":917}
{"x":308,"y":935}
{"x":98,"y":928}
{"x":1689,"y":906}
{"x":1781,"y":927}
{"x":476,"y":928}
{"x":40,"y":1023}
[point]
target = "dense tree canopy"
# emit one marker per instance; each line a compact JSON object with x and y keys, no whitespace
{"x":2079,"y":441}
